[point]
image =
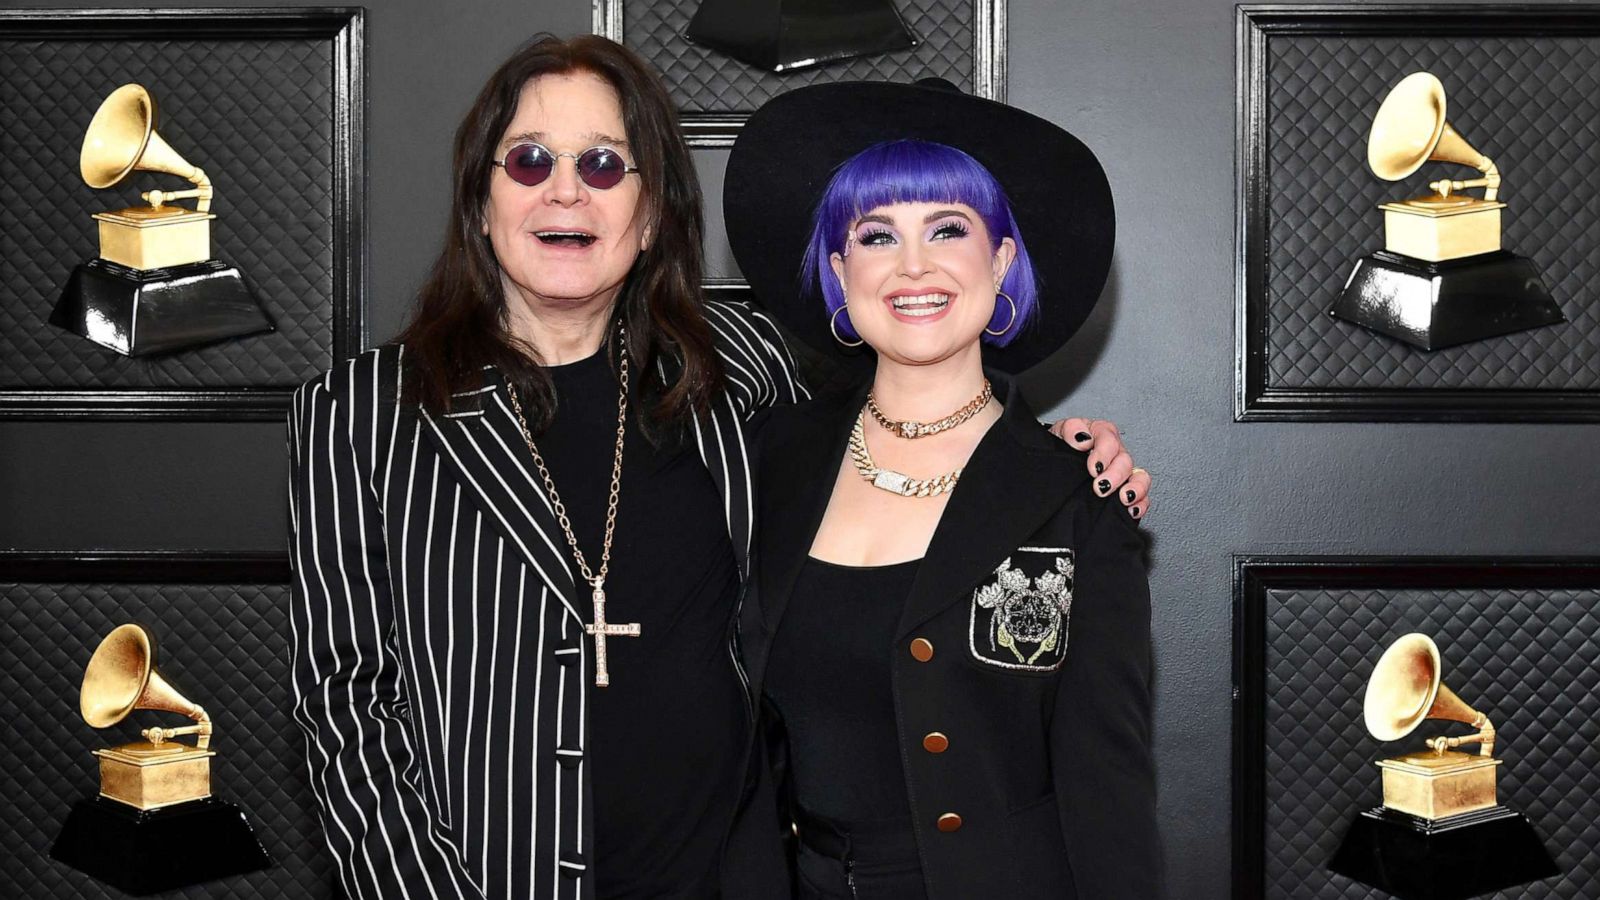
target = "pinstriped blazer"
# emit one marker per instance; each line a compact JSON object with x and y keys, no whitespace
{"x":429,"y":570}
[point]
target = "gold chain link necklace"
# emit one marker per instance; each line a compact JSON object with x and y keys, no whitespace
{"x":889,"y":480}
{"x":911,"y":430}
{"x":601,"y":629}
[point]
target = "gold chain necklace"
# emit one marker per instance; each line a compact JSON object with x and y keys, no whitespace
{"x":889,"y":480}
{"x":601,"y":629}
{"x":910,"y":430}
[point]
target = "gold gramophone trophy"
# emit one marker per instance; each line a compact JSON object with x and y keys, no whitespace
{"x":1441,"y":832}
{"x":155,"y":825}
{"x":1442,"y":278}
{"x":155,"y":287}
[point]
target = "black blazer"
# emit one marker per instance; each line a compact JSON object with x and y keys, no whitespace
{"x":440,"y":668}
{"x":1034,"y":599}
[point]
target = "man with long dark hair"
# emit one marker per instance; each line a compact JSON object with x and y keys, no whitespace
{"x":520,"y":530}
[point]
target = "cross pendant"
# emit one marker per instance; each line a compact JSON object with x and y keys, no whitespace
{"x":601,"y":629}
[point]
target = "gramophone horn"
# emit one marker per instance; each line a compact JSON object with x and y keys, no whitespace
{"x":122,"y":138}
{"x":1411,"y":129}
{"x":122,"y":677}
{"x":1405,"y":689}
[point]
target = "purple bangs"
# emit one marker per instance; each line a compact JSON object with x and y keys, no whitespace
{"x":915,"y":171}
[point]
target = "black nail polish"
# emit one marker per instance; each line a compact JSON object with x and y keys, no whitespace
{"x":1099,"y":467}
{"x":1105,"y":487}
{"x":1134,"y":512}
{"x":1131,"y":495}
{"x":1081,"y":436}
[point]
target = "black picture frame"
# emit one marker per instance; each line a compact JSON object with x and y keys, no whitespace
{"x":220,"y":620}
{"x":1255,"y":399}
{"x":718,"y":130}
{"x":1255,"y":575}
{"x":145,"y":566}
{"x":343,"y":30}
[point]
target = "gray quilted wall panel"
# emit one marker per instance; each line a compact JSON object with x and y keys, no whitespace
{"x":256,"y":115}
{"x":1531,"y":104}
{"x":1530,"y":659}
{"x":224,"y":646}
{"x":705,"y":81}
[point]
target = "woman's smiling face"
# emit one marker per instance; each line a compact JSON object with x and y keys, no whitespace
{"x":919,"y":279}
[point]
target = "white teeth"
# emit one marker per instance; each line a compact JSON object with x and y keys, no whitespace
{"x":920,"y":304}
{"x":561,"y":234}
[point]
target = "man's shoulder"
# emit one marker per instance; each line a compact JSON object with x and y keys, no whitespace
{"x":737,"y":321}
{"x":372,"y":375}
{"x":760,"y":369}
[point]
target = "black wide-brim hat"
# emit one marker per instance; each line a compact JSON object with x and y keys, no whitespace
{"x":789,"y":149}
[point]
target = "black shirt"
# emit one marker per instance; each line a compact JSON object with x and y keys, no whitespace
{"x":829,"y":678}
{"x":666,"y":736}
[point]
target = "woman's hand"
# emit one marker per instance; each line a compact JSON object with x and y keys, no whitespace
{"x":1109,"y":462}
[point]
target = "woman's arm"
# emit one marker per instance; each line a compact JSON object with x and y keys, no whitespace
{"x":1100,"y":733}
{"x":350,"y":695}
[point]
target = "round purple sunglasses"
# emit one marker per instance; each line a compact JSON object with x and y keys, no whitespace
{"x":601,"y":168}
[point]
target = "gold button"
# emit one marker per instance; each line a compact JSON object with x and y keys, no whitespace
{"x":949,"y":822}
{"x":935,"y":742}
{"x":922,"y":649}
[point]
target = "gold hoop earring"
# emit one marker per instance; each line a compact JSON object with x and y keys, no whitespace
{"x":833,"y":326}
{"x":1013,"y":321}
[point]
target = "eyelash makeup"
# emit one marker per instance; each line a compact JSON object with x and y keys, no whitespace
{"x":878,"y":236}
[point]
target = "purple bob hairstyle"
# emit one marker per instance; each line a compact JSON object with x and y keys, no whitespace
{"x":916,"y":171}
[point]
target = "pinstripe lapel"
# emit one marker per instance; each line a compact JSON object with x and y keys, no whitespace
{"x":488,"y":455}
{"x":719,"y":435}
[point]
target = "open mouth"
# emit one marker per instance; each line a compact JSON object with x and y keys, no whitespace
{"x":920,"y":304}
{"x":573,"y":239}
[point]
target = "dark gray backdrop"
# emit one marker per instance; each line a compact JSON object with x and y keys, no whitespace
{"x":1149,"y":84}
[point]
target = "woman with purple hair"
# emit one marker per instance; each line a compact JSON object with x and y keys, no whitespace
{"x":949,"y":621}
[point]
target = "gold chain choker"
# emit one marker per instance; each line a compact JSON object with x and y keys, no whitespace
{"x":910,"y":430}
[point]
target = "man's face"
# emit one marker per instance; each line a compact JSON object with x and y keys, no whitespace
{"x":562,"y":244}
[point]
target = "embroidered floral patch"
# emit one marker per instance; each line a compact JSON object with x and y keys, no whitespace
{"x":1021,"y":612}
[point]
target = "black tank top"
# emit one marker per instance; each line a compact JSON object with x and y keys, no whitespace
{"x":829,"y":678}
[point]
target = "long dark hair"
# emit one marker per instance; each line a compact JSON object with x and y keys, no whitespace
{"x":458,"y":325}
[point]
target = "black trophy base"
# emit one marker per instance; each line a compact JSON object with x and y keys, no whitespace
{"x":140,"y":312}
{"x":1461,"y":856}
{"x":782,"y":35}
{"x":161,"y":849}
{"x":1433,"y":305}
